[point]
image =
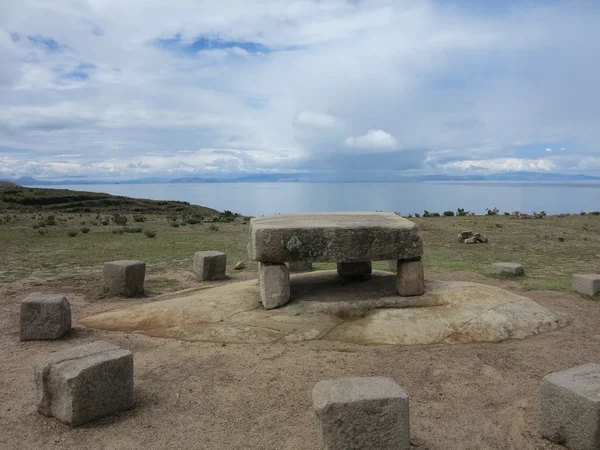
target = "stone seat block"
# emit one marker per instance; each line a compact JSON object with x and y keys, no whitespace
{"x":334,"y":237}
{"x":85,"y":383}
{"x":588,"y":284}
{"x":362,"y":413}
{"x":210,"y":265}
{"x":570,"y":407}
{"x":44,"y":316}
{"x":507,"y":268}
{"x":125,"y":277}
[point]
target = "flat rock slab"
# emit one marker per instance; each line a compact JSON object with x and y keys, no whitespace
{"x":507,"y":268}
{"x":334,"y":237}
{"x":324,"y":306}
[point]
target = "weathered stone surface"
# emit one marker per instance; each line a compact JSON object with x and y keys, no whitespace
{"x":464,"y":235}
{"x":470,"y":240}
{"x":333,"y":237}
{"x":360,"y":269}
{"x":410,"y":279}
{"x":124,"y":277}
{"x":506,"y":268}
{"x":570,"y":407}
{"x":362,"y":413}
{"x":480,"y":238}
{"x":210,"y":265}
{"x":240,"y":265}
{"x":588,"y":284}
{"x":274,"y":284}
{"x":299,"y":266}
{"x":44,"y":316}
{"x":393,"y":266}
{"x":85,"y":383}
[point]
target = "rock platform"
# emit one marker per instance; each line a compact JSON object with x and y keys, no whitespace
{"x":324,"y":306}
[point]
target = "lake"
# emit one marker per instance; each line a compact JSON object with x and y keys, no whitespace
{"x":270,"y":198}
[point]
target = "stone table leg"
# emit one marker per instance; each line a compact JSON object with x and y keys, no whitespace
{"x":274,"y":284}
{"x":410,"y":280}
{"x":354,"y":270}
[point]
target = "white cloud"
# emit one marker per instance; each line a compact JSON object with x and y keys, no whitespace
{"x":548,"y":149}
{"x":374,"y":139}
{"x":503,"y":165}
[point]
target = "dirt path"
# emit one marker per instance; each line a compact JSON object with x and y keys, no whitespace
{"x":214,"y":396}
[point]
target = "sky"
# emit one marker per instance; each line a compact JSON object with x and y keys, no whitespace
{"x":107,"y":89}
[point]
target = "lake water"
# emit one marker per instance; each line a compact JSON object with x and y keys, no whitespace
{"x":270,"y":198}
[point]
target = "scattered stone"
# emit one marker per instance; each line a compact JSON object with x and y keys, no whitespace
{"x":274,"y":283}
{"x":240,"y":265}
{"x":299,"y":266}
{"x":588,"y":284}
{"x":410,"y":280}
{"x":359,"y":269}
{"x":210,"y":265}
{"x":570,"y":407}
{"x":469,"y":237}
{"x":362,"y":413}
{"x":506,"y":268}
{"x":124,"y":277}
{"x":44,"y":316}
{"x":85,"y":383}
{"x":480,"y":238}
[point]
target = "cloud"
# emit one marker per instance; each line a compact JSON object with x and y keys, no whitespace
{"x":315,"y":120}
{"x":548,"y":149}
{"x":375,"y":139}
{"x":285,"y":86}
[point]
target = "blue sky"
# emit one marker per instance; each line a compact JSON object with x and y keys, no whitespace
{"x":120,"y":90}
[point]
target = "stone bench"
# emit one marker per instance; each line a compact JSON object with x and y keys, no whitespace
{"x":365,"y":413}
{"x":570,"y":407}
{"x":44,"y":316}
{"x":85,"y":383}
{"x":352,"y":240}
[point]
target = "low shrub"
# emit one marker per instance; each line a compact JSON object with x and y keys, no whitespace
{"x":174,"y":224}
{"x":492,"y":212}
{"x":460,"y":212}
{"x":561,"y":239}
{"x":72,"y":233}
{"x":43,"y":232}
{"x":426,"y":213}
{"x":139,"y":218}
{"x":213,"y":227}
{"x":150,"y":234}
{"x":35,"y":226}
{"x":595,"y":213}
{"x":119,"y":220}
{"x":435,"y":214}
{"x":417,"y":215}
{"x":84,"y":230}
{"x":193,"y":221}
{"x":449,"y":213}
{"x":105,"y":222}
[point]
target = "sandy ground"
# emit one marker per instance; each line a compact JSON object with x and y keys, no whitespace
{"x":194,"y":395}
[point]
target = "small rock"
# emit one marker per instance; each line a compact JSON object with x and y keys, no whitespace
{"x":240,"y":265}
{"x":470,"y":240}
{"x":480,"y":238}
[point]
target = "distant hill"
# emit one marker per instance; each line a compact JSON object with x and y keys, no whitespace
{"x":286,"y":177}
{"x":15,"y":197}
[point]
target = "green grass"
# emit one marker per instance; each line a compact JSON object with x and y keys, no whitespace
{"x":30,"y":253}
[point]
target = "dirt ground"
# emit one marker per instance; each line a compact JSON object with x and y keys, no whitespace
{"x":193,"y":395}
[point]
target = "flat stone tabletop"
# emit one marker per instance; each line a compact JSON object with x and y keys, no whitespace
{"x":334,"y":237}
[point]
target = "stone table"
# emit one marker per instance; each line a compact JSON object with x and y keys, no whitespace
{"x":352,"y":240}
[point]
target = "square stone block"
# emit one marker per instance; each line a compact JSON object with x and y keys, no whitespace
{"x":44,"y":316}
{"x":210,"y":265}
{"x":274,"y":284}
{"x":410,"y":279}
{"x":85,"y":383}
{"x":570,"y":407}
{"x":588,"y":284}
{"x":125,"y":278}
{"x":507,"y":268}
{"x":362,"y":413}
